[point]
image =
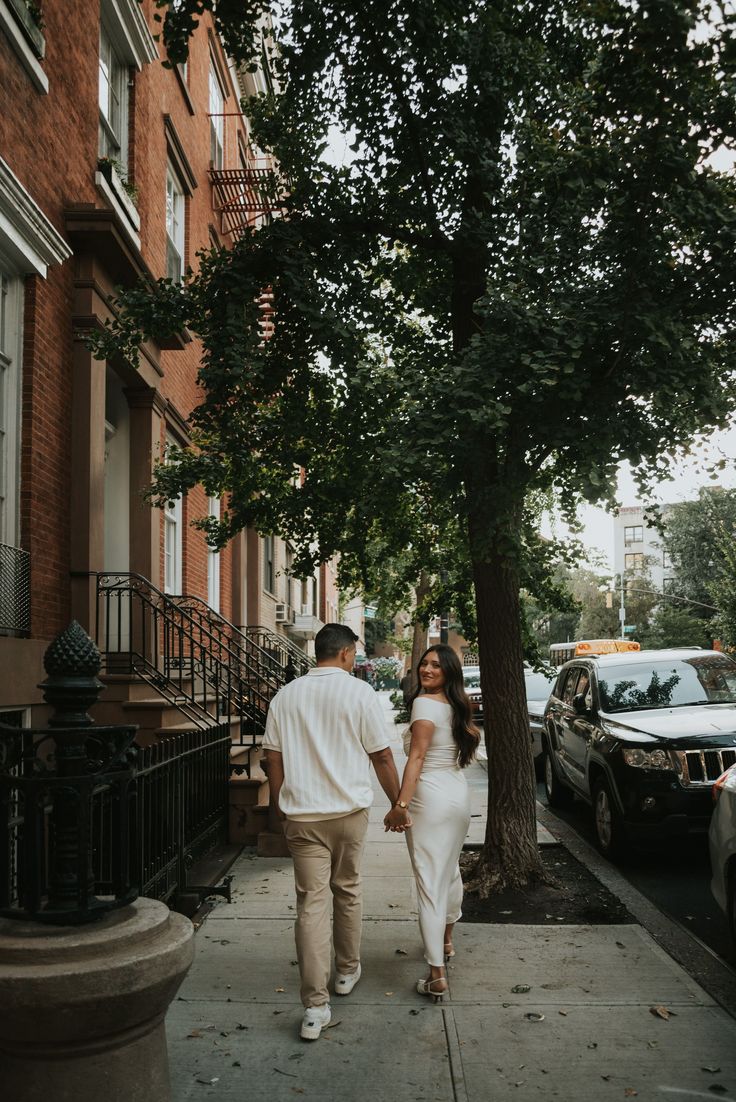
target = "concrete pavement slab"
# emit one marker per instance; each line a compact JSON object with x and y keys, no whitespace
{"x":359,"y":1059}
{"x":592,"y":965}
{"x":583,"y":1054}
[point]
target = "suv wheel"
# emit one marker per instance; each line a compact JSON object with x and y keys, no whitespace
{"x":731,"y":908}
{"x":609,"y":831}
{"x":558,"y":794}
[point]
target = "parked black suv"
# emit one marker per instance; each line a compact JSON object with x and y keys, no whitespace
{"x":642,"y":737}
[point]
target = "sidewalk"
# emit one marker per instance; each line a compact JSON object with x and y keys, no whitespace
{"x":233,"y":1031}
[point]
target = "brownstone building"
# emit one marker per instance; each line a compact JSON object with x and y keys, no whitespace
{"x":114,"y":168}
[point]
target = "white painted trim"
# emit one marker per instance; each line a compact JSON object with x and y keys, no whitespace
{"x":25,"y":232}
{"x":129,"y":31}
{"x":115,"y":203}
{"x":28,"y":59}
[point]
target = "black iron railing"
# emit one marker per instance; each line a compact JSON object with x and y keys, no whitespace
{"x":89,"y":820}
{"x":189,"y":660}
{"x":282,"y":650}
{"x":15,"y":591}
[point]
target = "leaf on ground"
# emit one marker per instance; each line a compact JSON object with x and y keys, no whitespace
{"x":293,"y":962}
{"x":711,"y":1070}
{"x":620,"y":944}
{"x":606,"y":1077}
{"x":393,"y":905}
{"x":662,"y":1012}
{"x":400,"y":952}
{"x":289,"y":1073}
{"x":630,"y":1093}
{"x":593,"y":1044}
{"x":533,"y":1017}
{"x":241,"y":1026}
{"x":388,"y":992}
{"x":520,"y":989}
{"x":415,"y":1012}
{"x":563,"y":1013}
{"x":209,"y":1082}
{"x":236,"y":1064}
{"x":280,"y":990}
{"x":505,"y":912}
{"x":195,"y":1033}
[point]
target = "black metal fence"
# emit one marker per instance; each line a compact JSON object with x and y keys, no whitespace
{"x":15,"y":591}
{"x":89,"y":820}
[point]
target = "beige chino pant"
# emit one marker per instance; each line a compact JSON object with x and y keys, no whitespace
{"x":327,"y":857}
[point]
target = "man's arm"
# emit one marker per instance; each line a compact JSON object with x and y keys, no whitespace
{"x":275,"y":772}
{"x":388,"y":778}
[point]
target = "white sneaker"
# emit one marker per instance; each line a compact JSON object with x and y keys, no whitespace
{"x":345,"y":984}
{"x":314,"y":1021}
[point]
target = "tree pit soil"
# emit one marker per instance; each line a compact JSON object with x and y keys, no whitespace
{"x":573,"y":896}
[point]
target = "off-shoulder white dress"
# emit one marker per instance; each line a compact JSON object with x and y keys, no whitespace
{"x":440,"y":812}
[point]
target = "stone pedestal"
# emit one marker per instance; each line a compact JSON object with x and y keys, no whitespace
{"x":82,"y":1008}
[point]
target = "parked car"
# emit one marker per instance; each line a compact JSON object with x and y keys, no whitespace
{"x":641,"y":737}
{"x":538,"y":687}
{"x":471,"y":677}
{"x":722,"y":841}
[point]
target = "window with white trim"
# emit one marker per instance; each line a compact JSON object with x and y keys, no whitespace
{"x":11,"y":322}
{"x":213,"y":561}
{"x":175,"y":226}
{"x":113,"y":94}
{"x":173,"y":544}
{"x":217,"y":119}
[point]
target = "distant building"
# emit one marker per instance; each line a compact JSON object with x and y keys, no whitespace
{"x":638,"y":547}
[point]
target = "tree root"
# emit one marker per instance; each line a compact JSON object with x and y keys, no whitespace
{"x":484,"y":875}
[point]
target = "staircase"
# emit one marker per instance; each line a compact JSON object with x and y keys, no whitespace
{"x":173,"y":665}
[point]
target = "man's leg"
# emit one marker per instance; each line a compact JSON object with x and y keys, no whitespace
{"x":347,"y":852}
{"x":312,"y":863}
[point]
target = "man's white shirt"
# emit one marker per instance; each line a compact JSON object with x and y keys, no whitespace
{"x":325,"y":724}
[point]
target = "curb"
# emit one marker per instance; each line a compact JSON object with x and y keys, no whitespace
{"x":713,"y":973}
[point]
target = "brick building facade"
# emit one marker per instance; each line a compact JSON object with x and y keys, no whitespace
{"x":109,"y":169}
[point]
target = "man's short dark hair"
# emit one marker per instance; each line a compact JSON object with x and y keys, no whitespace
{"x":330,"y":640}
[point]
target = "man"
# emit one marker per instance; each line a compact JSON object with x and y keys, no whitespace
{"x":321,"y":731}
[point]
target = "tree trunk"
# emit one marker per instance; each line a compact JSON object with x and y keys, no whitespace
{"x":510,"y":855}
{"x":419,"y":642}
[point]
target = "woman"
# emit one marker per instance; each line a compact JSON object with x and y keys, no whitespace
{"x":439,"y":742}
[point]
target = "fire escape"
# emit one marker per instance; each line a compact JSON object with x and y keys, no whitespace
{"x":244,"y":197}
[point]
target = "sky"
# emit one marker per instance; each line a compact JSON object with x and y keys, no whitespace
{"x":688,"y":476}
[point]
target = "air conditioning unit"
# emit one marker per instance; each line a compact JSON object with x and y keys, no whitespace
{"x":282,"y":614}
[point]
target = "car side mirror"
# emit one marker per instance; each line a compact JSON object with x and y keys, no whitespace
{"x":579,"y":706}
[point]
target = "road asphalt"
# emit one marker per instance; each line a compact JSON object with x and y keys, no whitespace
{"x":579,"y":1013}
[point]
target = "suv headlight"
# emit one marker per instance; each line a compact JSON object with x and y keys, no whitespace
{"x":647,"y":759}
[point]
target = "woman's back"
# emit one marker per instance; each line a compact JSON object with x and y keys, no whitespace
{"x":442,"y":752}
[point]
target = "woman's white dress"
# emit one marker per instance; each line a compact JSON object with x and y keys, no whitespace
{"x":440,"y":812}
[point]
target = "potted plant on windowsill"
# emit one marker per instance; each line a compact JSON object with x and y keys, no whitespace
{"x":126,"y":192}
{"x":30,"y":18}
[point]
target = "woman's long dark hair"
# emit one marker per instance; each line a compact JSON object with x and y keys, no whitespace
{"x":464,"y":731}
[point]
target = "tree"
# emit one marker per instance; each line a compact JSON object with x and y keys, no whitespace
{"x":673,"y":626}
{"x":693,"y":537}
{"x":523,"y":274}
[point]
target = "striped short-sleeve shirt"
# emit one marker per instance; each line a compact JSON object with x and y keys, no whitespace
{"x":325,"y":724}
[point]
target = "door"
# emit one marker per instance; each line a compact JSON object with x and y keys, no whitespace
{"x":116,"y":614}
{"x":579,"y":732}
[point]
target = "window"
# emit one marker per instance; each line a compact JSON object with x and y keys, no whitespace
{"x":11,"y":318}
{"x":634,"y":561}
{"x":217,"y":120}
{"x":666,"y":560}
{"x":269,"y":576}
{"x":113,"y":102}
{"x":213,"y":562}
{"x":175,"y":214}
{"x":634,"y":534}
{"x":172,"y":541}
{"x":572,"y":679}
{"x":668,"y":585}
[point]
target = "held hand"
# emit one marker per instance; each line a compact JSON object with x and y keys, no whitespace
{"x":397,"y":820}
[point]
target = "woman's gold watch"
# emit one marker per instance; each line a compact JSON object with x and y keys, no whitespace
{"x":402,"y":805}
